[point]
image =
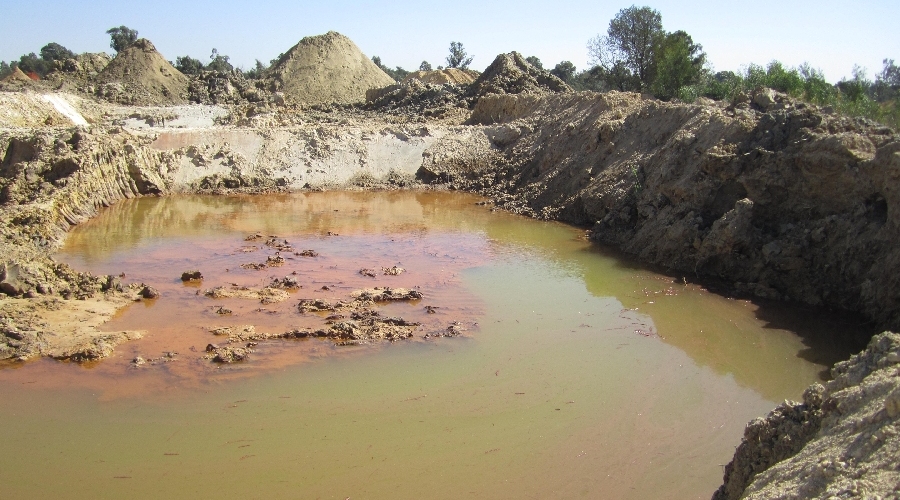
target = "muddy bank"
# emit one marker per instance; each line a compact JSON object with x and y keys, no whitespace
{"x":842,"y":441}
{"x":784,"y":202}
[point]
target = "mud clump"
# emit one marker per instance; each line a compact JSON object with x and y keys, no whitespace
{"x":139,"y":75}
{"x":325,"y":69}
{"x":414,"y":98}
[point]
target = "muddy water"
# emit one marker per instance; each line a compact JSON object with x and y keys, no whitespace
{"x":579,"y":374}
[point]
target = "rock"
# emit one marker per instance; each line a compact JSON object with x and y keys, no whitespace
{"x":138,"y":361}
{"x":228,"y":355}
{"x":765,"y":98}
{"x":148,"y":292}
{"x":9,"y":280}
{"x":191,"y":276}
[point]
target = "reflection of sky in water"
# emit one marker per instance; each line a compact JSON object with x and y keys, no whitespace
{"x":585,"y":376}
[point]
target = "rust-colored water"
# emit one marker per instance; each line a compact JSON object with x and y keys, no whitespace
{"x":579,"y":375}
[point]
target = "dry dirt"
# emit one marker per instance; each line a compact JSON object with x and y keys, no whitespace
{"x":772,"y":197}
{"x":139,"y":75}
{"x":442,"y":76}
{"x":327,"y":68}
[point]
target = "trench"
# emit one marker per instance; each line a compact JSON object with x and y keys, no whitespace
{"x":576,"y":372}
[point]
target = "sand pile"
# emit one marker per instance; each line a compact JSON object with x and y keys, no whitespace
{"x":17,"y":76}
{"x":139,"y":75}
{"x":442,"y":76}
{"x":512,"y":74}
{"x":327,"y":68}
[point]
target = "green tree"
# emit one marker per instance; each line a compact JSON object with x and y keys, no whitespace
{"x":458,"y":57}
{"x":55,"y":52}
{"x":31,"y":63}
{"x":188,"y":65}
{"x":121,"y":37}
{"x":678,"y":62}
{"x":5,"y":69}
{"x":628,"y":46}
{"x":257,"y":71}
{"x":887,"y":83}
{"x":425,"y":66}
{"x":397,"y":74}
{"x":218,"y":62}
{"x":534,"y":61}
{"x":565,"y":71}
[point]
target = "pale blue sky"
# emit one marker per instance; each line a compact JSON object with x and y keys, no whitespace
{"x":830,"y":35}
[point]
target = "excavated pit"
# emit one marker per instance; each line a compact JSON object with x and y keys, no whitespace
{"x":783,"y":203}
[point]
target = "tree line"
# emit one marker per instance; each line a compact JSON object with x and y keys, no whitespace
{"x":635,"y":54}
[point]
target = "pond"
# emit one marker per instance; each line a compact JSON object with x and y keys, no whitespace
{"x":569,"y":370}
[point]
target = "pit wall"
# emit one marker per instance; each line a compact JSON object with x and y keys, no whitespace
{"x":782,"y":201}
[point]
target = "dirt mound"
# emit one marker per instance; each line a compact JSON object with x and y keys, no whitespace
{"x":512,"y":74}
{"x":17,"y":76}
{"x":442,"y":76}
{"x":139,"y":75}
{"x":415,"y":98}
{"x":327,"y":68}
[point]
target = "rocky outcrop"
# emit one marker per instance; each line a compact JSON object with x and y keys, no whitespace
{"x":841,"y":442}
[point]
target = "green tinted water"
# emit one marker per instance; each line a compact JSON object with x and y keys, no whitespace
{"x":580,"y":375}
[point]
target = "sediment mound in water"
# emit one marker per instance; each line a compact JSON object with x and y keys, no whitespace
{"x":325,"y":69}
{"x":512,"y":74}
{"x":442,"y":76}
{"x":139,"y":75}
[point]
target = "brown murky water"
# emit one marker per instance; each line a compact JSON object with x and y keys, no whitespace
{"x":579,"y":374}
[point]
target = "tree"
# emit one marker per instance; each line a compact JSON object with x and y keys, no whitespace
{"x":121,"y":37}
{"x":458,"y":57}
{"x":218,"y":62}
{"x":534,"y":61}
{"x":55,"y":52}
{"x":629,"y":44}
{"x":678,"y":62}
{"x":397,"y":74}
{"x":6,"y":69}
{"x":188,"y":65}
{"x":565,"y":71}
{"x":257,"y":70}
{"x":31,"y":63}
{"x":887,"y":83}
{"x":425,"y":66}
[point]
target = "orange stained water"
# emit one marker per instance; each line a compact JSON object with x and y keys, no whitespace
{"x":579,"y":374}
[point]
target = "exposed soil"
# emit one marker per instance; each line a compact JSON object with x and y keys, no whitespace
{"x":774,"y":197}
{"x":327,"y":68}
{"x":139,"y":75}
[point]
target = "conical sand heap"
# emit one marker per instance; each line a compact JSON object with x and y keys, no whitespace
{"x":327,"y":68}
{"x":140,"y":75}
{"x":17,"y":75}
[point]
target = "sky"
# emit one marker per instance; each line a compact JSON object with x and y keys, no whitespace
{"x":829,"y":35}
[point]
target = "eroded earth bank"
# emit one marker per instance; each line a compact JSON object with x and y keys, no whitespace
{"x":768,"y":196}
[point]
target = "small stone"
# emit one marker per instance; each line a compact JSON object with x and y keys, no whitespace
{"x":148,"y":292}
{"x":138,"y":361}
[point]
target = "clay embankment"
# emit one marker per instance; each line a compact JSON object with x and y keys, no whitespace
{"x":783,"y":202}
